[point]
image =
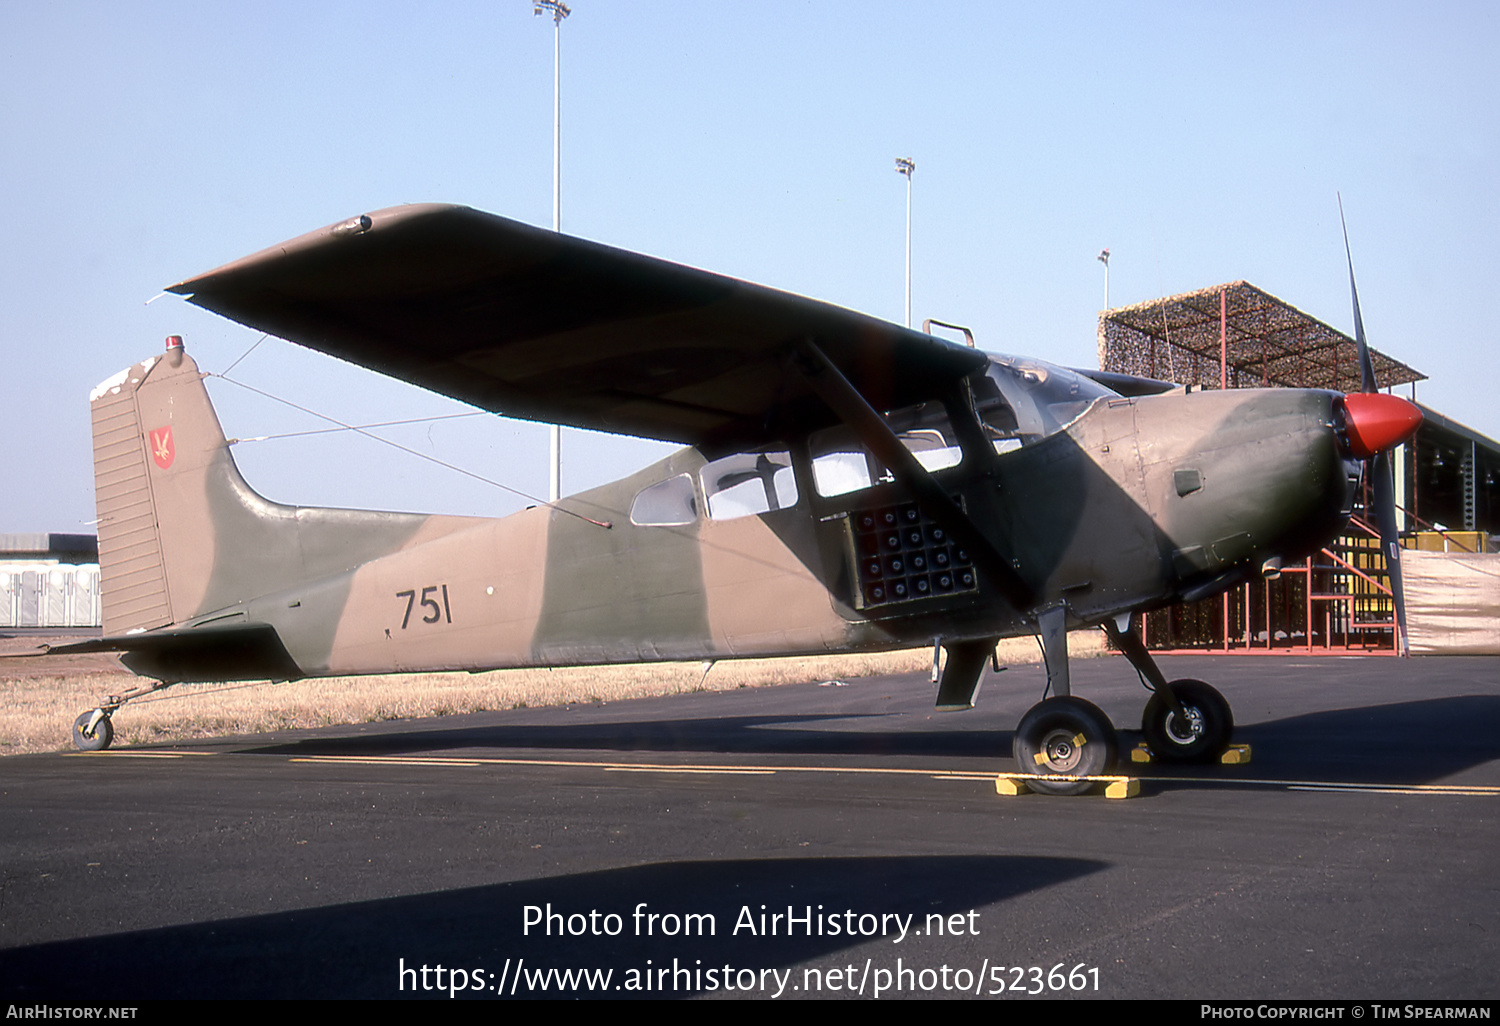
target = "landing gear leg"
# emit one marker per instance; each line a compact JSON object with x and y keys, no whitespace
{"x":93,"y":731}
{"x":1053,"y":624}
{"x":1185,"y":720}
{"x":1063,"y":736}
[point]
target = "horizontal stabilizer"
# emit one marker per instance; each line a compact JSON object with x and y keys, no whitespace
{"x":241,"y":651}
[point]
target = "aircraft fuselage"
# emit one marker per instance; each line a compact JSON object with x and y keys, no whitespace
{"x":1134,"y":503}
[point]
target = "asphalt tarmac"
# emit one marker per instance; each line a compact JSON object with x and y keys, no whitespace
{"x":795,"y":841}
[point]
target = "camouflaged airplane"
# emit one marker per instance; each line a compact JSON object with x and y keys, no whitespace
{"x":849,"y":484}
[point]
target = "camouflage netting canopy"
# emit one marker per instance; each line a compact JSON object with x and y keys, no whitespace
{"x":1268,"y":342}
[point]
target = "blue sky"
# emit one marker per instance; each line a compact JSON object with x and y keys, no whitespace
{"x":143,"y":143}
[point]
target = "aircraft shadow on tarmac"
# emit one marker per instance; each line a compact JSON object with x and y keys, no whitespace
{"x":1402,"y":743}
{"x":355,"y":950}
{"x":796,"y":734}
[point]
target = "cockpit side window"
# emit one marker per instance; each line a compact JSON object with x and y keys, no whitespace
{"x":841,"y":464}
{"x":748,"y":483}
{"x":927,"y":435}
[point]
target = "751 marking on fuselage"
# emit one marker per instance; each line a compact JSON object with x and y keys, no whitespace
{"x":429,"y":602}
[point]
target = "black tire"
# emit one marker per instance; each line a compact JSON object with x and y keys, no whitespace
{"x":1065,"y":737}
{"x":99,"y":739}
{"x":1207,"y":733}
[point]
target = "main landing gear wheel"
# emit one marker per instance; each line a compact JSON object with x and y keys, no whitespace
{"x":1067,"y":737}
{"x":1205,"y":735}
{"x":93,"y":738}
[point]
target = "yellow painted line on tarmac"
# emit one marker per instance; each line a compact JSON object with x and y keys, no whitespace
{"x":1475,"y":791}
{"x":732,"y":771}
{"x":668,"y":767}
{"x":127,"y":754}
{"x":636,"y":767}
{"x":387,"y":760}
{"x":725,"y":769}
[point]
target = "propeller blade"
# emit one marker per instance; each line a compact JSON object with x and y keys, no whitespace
{"x":1377,"y":424}
{"x":1366,"y":365}
{"x":1390,"y":543}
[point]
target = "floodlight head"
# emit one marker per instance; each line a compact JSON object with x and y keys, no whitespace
{"x":1103,"y":257}
{"x":905,"y":166}
{"x":559,"y":9}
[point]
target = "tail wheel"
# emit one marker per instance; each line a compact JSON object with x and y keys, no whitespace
{"x":89,"y":736}
{"x":1065,"y":737}
{"x":1201,"y":736}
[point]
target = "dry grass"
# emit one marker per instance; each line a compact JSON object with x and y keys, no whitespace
{"x":36,"y":712}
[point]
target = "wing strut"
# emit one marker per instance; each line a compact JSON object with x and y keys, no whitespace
{"x":870,"y":427}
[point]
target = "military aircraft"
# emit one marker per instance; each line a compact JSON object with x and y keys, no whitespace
{"x":848,"y":484}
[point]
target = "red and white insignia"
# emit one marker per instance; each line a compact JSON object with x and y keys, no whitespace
{"x":162,"y":449}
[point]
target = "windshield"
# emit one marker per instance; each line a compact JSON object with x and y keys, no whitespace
{"x":1020,"y":400}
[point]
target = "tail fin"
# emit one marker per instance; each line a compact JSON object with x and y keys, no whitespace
{"x":156,"y":438}
{"x":181,"y":534}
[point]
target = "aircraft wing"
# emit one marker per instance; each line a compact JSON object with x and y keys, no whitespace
{"x":533,"y":324}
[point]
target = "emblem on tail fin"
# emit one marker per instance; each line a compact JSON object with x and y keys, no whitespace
{"x":162,"y":449}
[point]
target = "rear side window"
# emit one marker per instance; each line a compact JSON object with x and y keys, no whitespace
{"x":666,"y":504}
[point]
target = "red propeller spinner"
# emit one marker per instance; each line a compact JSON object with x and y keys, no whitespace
{"x":1376,"y":421}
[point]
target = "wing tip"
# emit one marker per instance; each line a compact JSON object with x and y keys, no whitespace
{"x":359,"y":224}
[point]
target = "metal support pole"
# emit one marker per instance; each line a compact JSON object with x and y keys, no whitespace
{"x":1308,"y":593}
{"x":1223,"y":341}
{"x":1226,"y":622}
{"x":905,"y":166}
{"x":559,"y":11}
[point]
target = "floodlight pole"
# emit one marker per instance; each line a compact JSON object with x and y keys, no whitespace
{"x":559,"y":11}
{"x":1104,"y":259}
{"x":905,"y":166}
